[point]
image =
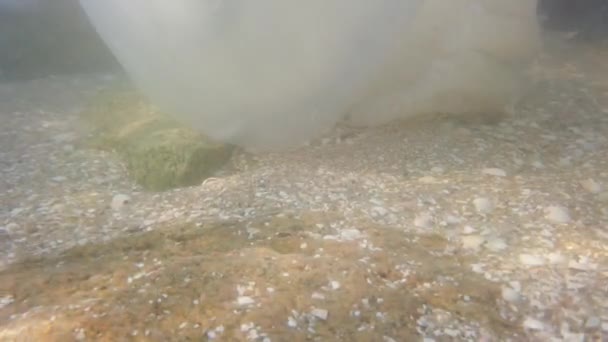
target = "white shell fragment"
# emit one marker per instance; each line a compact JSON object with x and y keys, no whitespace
{"x":531,"y":260}
{"x":557,"y":214}
{"x":320,"y":313}
{"x":120,"y":201}
{"x":494,"y":172}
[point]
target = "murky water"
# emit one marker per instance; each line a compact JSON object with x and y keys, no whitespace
{"x":437,"y":231}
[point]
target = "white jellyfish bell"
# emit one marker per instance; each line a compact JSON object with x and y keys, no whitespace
{"x":272,"y":74}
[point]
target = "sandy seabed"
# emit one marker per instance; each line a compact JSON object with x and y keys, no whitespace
{"x":436,"y":231}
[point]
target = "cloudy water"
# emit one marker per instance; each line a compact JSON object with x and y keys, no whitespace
{"x":284,"y":171}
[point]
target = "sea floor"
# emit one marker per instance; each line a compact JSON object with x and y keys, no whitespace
{"x":437,"y":231}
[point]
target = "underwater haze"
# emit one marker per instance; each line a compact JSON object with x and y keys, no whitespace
{"x":293,"y":170}
{"x":272,"y":75}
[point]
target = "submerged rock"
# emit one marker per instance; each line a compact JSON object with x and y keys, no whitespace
{"x":158,"y":153}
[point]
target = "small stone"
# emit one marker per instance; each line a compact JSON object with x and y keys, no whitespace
{"x":317,"y":295}
{"x":247,"y":326}
{"x":533,"y":324}
{"x":468,"y":230}
{"x":531,"y":260}
{"x":592,"y":186}
{"x":494,"y":172}
{"x":5,"y":301}
{"x":423,"y":221}
{"x":583,"y":265}
{"x":320,"y":313}
{"x":537,"y":164}
{"x":556,"y":258}
{"x":515,"y":285}
{"x":350,"y":234}
{"x":452,"y":220}
{"x":80,"y":335}
{"x":335,"y":285}
{"x":593,"y":323}
{"x":477,"y":268}
{"x":120,"y":201}
{"x":483,"y":205}
{"x":291,"y":322}
{"x":12,"y":227}
{"x":244,"y":301}
{"x":17,"y":211}
{"x":496,"y":244}
{"x":509,"y":294}
{"x":557,"y":214}
{"x":451,"y":332}
{"x":472,"y":241}
{"x":427,"y":180}
{"x":437,"y":169}
{"x":379,"y":211}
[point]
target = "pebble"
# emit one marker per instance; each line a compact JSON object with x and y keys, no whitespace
{"x":379,"y":211}
{"x":247,"y":326}
{"x":423,"y":221}
{"x":494,"y":172}
{"x":468,"y":230}
{"x":452,"y":220}
{"x":5,"y":301}
{"x":509,"y":294}
{"x":16,"y":211}
{"x":320,"y":313}
{"x":350,"y":234}
{"x":592,"y":186}
{"x":496,"y":244}
{"x":334,"y":285}
{"x":556,"y":258}
{"x":428,"y":180}
{"x":451,"y":332}
{"x":80,"y":335}
{"x":244,"y":300}
{"x":472,"y":241}
{"x":533,"y":324}
{"x":557,"y":214}
{"x":317,"y":295}
{"x":12,"y":227}
{"x":437,"y":169}
{"x":483,"y":205}
{"x":531,"y":260}
{"x":593,"y":323}
{"x":291,"y":322}
{"x":515,"y":285}
{"x":120,"y":201}
{"x":584,"y":265}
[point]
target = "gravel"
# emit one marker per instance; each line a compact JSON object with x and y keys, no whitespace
{"x":528,"y":206}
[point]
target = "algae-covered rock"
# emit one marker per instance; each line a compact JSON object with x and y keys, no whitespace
{"x":159,"y":153}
